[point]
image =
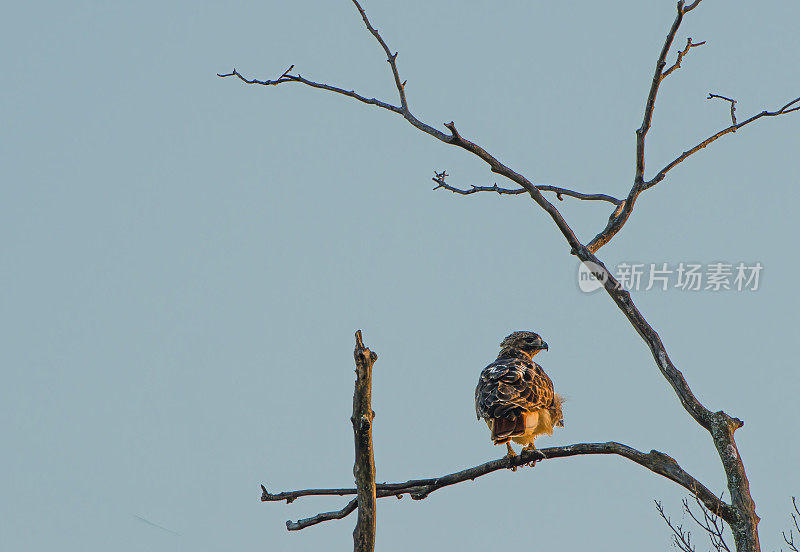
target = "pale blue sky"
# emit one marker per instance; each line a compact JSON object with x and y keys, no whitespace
{"x":185,"y":260}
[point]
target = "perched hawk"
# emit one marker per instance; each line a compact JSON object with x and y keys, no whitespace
{"x":515,"y":396}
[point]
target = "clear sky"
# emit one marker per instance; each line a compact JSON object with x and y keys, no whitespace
{"x":186,"y":258}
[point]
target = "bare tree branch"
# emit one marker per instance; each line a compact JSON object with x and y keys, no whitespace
{"x":319,"y":518}
{"x":418,"y":489}
{"x":681,"y":54}
{"x":691,"y":6}
{"x":621,"y":215}
{"x":624,"y":207}
{"x":390,"y":57}
{"x":789,"y":540}
{"x":732,"y":102}
{"x":680,"y":538}
{"x":439,"y":178}
{"x":711,"y":524}
{"x":619,"y":219}
{"x":290,"y":496}
{"x":286,"y":77}
{"x":720,"y":425}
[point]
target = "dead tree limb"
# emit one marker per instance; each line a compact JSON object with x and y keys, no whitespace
{"x":325,"y":516}
{"x":655,"y":461}
{"x":364,"y":467}
{"x":439,"y":178}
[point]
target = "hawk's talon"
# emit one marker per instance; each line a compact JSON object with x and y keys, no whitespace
{"x":511,"y":454}
{"x":532,"y":463}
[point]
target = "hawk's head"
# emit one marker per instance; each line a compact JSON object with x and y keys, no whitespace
{"x":529,"y":343}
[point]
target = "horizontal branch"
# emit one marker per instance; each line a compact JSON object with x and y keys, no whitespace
{"x":439,"y":178}
{"x":287,"y":77}
{"x":419,"y":489}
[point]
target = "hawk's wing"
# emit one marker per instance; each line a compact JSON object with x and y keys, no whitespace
{"x":510,"y":386}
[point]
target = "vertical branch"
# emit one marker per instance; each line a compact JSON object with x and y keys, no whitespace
{"x":364,"y":468}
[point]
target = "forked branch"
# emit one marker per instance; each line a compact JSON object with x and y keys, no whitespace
{"x":618,"y":220}
{"x":621,"y":215}
{"x":681,"y":539}
{"x":681,"y":54}
{"x":710,"y":524}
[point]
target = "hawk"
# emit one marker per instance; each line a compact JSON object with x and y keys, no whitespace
{"x":514,"y":395}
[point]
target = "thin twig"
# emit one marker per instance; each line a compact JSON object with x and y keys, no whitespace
{"x":681,"y":54}
{"x":390,"y":57}
{"x":789,"y":540}
{"x":325,"y":516}
{"x":680,"y":538}
{"x":732,"y":102}
{"x":286,"y":78}
{"x":711,"y":524}
{"x":691,"y":6}
{"x":650,"y":105}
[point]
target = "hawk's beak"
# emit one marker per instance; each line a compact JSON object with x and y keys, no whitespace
{"x":544,"y":346}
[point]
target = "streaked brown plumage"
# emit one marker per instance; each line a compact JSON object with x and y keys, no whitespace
{"x":514,"y":395}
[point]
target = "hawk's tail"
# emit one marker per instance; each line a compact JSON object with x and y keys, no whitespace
{"x":503,"y":429}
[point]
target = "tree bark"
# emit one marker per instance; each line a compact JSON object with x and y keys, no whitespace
{"x":364,"y":468}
